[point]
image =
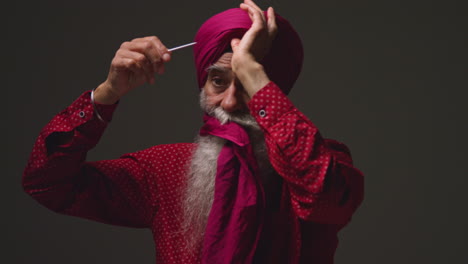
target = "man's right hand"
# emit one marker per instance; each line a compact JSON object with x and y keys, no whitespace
{"x":135,"y":63}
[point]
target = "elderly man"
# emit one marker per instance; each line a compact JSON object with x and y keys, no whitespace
{"x":260,"y":185}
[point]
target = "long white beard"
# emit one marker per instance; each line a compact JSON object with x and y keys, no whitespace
{"x":199,"y":194}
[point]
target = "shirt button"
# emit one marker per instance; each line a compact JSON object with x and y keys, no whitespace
{"x":81,"y":114}
{"x":262,"y":113}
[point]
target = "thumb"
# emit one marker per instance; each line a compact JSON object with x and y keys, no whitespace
{"x":235,"y":44}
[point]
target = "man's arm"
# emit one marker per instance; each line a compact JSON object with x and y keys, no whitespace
{"x":112,"y":191}
{"x":58,"y":177}
{"x":321,"y":180}
{"x":322,"y":183}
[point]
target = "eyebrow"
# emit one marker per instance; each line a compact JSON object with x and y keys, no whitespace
{"x":215,"y":67}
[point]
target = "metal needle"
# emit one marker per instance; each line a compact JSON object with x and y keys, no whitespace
{"x":182,"y":46}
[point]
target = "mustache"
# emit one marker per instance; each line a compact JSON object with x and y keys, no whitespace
{"x":243,"y":118}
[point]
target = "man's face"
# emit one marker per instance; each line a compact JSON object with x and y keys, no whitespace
{"x":223,"y":89}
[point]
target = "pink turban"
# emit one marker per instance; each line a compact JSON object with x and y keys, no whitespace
{"x":282,"y":64}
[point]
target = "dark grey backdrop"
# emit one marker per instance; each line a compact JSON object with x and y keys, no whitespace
{"x":386,"y":77}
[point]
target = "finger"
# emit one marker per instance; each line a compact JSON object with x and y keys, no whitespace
{"x":271,"y":23}
{"x":235,"y":44}
{"x":244,"y":7}
{"x":142,"y":46}
{"x":149,"y":49}
{"x":140,"y":61}
{"x":165,"y":53}
{"x":252,"y":4}
{"x":255,"y":15}
{"x":257,"y":26}
{"x":167,"y":56}
{"x":154,"y":39}
{"x":256,"y":8}
{"x":129,"y":65}
{"x":153,"y":48}
{"x":253,"y":12}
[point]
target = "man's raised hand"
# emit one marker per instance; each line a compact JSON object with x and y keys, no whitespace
{"x":257,"y":40}
{"x":135,"y":63}
{"x":253,"y":47}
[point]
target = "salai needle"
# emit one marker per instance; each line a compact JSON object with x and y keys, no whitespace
{"x":182,"y":46}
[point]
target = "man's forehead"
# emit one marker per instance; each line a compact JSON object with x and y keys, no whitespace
{"x":223,"y":64}
{"x":225,"y":59}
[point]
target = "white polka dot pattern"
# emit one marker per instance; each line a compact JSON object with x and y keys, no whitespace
{"x":318,"y":174}
{"x":144,"y":189}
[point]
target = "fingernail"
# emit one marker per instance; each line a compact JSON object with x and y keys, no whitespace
{"x":166,"y":57}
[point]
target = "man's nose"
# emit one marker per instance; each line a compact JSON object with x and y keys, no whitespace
{"x":232,"y":100}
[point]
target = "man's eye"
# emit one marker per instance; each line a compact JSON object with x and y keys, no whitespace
{"x":218,"y":81}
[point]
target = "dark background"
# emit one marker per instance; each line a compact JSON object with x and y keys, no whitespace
{"x":388,"y":78}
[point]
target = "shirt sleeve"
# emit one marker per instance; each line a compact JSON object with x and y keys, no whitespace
{"x":58,"y":177}
{"x":323,"y":184}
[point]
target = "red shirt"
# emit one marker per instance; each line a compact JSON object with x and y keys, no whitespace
{"x":319,"y":192}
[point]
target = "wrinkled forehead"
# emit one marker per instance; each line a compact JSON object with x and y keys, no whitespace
{"x":223,"y":63}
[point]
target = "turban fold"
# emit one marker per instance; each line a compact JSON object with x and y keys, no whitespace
{"x":282,"y":64}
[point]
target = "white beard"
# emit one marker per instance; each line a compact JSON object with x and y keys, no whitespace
{"x":242,"y":118}
{"x":199,"y":194}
